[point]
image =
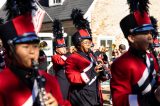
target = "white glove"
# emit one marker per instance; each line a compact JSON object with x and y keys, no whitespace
{"x":64,"y":57}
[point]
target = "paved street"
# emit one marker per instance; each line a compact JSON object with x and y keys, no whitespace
{"x":106,"y":94}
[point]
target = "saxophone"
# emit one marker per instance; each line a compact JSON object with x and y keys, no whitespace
{"x":41,"y":85}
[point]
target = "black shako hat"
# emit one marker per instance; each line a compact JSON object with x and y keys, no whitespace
{"x":19,"y":27}
{"x":59,"y":40}
{"x":138,"y":21}
{"x":82,"y":26}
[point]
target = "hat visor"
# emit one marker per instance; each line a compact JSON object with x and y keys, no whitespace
{"x":86,"y":37}
{"x":28,"y":38}
{"x":142,"y":29}
{"x":156,"y":44}
{"x":60,"y":45}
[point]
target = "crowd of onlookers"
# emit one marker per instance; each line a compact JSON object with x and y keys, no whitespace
{"x":116,"y":51}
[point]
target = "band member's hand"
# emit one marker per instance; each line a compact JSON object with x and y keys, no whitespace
{"x":157,"y":94}
{"x":51,"y":101}
{"x":98,"y":68}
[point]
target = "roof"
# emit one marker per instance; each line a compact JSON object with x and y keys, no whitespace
{"x":61,"y":12}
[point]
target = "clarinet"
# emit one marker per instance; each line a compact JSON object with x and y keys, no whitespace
{"x":104,"y":69}
{"x":152,"y":46}
{"x":41,"y":85}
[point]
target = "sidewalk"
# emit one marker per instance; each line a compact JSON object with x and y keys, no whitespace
{"x":106,"y":93}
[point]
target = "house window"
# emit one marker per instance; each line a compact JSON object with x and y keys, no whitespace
{"x":103,"y":43}
{"x":55,"y":2}
{"x":106,"y":41}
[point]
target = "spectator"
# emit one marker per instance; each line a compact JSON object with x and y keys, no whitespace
{"x":2,"y":56}
{"x":42,"y":56}
{"x":122,"y":48}
{"x":115,"y":54}
{"x":101,"y":54}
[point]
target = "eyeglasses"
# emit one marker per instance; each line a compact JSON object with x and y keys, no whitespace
{"x":87,"y":42}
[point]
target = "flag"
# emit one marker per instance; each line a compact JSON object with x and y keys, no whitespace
{"x":37,"y":17}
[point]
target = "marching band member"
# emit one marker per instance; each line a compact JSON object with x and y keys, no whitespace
{"x":82,"y":69}
{"x":19,"y":81}
{"x":59,"y":58}
{"x":133,"y":81}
